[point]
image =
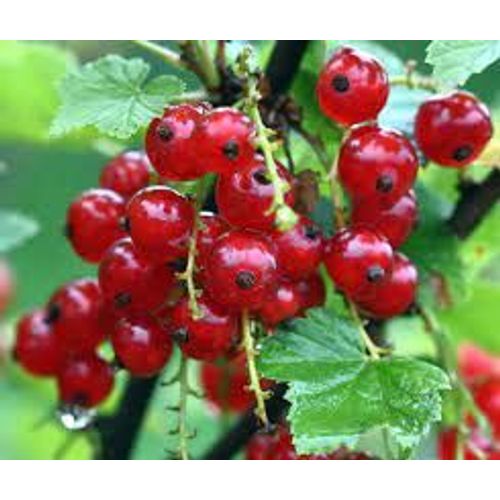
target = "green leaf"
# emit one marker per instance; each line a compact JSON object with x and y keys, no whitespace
{"x":15,"y":229}
{"x":112,"y":94}
{"x":338,"y":394}
{"x":28,"y":88}
{"x":455,"y":61}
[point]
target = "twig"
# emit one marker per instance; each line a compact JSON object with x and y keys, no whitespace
{"x":183,"y":396}
{"x":169,"y":56}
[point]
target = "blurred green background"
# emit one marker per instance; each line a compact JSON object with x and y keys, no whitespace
{"x":40,"y":178}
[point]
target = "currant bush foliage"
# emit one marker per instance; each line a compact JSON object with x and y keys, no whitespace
{"x":118,"y":99}
{"x":15,"y":229}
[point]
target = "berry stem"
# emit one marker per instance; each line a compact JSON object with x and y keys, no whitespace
{"x":207,"y":64}
{"x":254,"y":386}
{"x":373,"y":350}
{"x":413,"y":81}
{"x":169,"y":56}
{"x":184,"y":393}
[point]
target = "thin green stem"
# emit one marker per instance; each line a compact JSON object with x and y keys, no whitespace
{"x":184,"y":393}
{"x":253,"y":375}
{"x":413,"y":81}
{"x":206,"y":63}
{"x":169,"y":56}
{"x":373,"y":350}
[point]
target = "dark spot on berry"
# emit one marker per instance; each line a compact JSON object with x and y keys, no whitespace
{"x":68,"y":231}
{"x":245,"y":280}
{"x":311,"y":232}
{"x":261,"y":177}
{"x":374,"y":274}
{"x":80,"y":399}
{"x":164,"y":132}
{"x":385,"y":184}
{"x":462,"y":153}
{"x":53,"y":314}
{"x":340,"y":83}
{"x":231,"y":150}
{"x":122,"y":299}
{"x":181,"y":335}
{"x":125,"y":224}
{"x":178,"y":265}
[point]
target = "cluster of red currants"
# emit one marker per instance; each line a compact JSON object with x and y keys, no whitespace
{"x":481,"y":373}
{"x":377,"y":167}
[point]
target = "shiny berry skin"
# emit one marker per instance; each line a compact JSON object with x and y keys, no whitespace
{"x":160,"y":222}
{"x":126,"y":174}
{"x":395,"y":294}
{"x":275,"y":446}
{"x":283,"y":302}
{"x":358,"y":261}
{"x":352,"y":87}
{"x":36,"y":348}
{"x":212,"y":226}
{"x":395,"y":222}
{"x":141,"y":345}
{"x":487,"y":398}
{"x":170,"y":146}
{"x":453,"y":129}
{"x":245,"y":196}
{"x":6,"y":286}
{"x":299,"y":250}
{"x":75,"y":312}
{"x":85,"y":381}
{"x":207,"y":338}
{"x":132,"y":284}
{"x":93,"y":223}
{"x":241,"y":270}
{"x":476,"y":365}
{"x":377,"y":164}
{"x":224,"y":139}
{"x":225,"y":384}
{"x":312,"y":292}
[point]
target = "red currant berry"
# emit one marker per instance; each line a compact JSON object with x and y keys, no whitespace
{"x":130,"y":283}
{"x":487,"y":397}
{"x":477,"y":365}
{"x":241,"y":270}
{"x":127,"y":173}
{"x":160,"y":222}
{"x":212,"y":226}
{"x":453,"y":129}
{"x":141,"y":345}
{"x":224,"y":139}
{"x":85,"y":381}
{"x":75,"y":313}
{"x":311,"y":291}
{"x":447,"y":446}
{"x":352,"y":87}
{"x":36,"y":347}
{"x":275,"y":446}
{"x":395,"y":222}
{"x":207,"y":338}
{"x":169,"y":143}
{"x":377,"y":164}
{"x":225,"y":384}
{"x":244,"y":198}
{"x":93,"y":223}
{"x":358,"y":261}
{"x":6,"y":286}
{"x":284,"y":302}
{"x":395,"y":294}
{"x":299,"y":250}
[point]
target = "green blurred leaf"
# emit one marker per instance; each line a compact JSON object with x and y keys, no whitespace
{"x":338,"y":394}
{"x":112,"y":94}
{"x":28,"y":88}
{"x":455,"y":61}
{"x":15,"y":229}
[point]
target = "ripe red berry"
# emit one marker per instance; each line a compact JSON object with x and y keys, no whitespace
{"x":85,"y":381}
{"x":453,"y":129}
{"x":352,"y":87}
{"x":395,"y":294}
{"x":141,"y":345}
{"x":283,"y":302}
{"x":299,"y":250}
{"x":311,"y":291}
{"x":36,"y":347}
{"x":447,"y":446}
{"x":245,"y":197}
{"x":477,"y":365}
{"x":126,"y":174}
{"x":207,"y":338}
{"x":358,"y":261}
{"x":395,"y":222}
{"x":487,"y":398}
{"x":130,"y":283}
{"x":241,"y":270}
{"x":169,"y":143}
{"x":75,"y":312}
{"x":212,"y":226}
{"x":224,"y":140}
{"x":225,"y":384}
{"x":377,"y":164}
{"x":160,"y":222}
{"x":93,"y":223}
{"x":6,"y":286}
{"x":274,"y":446}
